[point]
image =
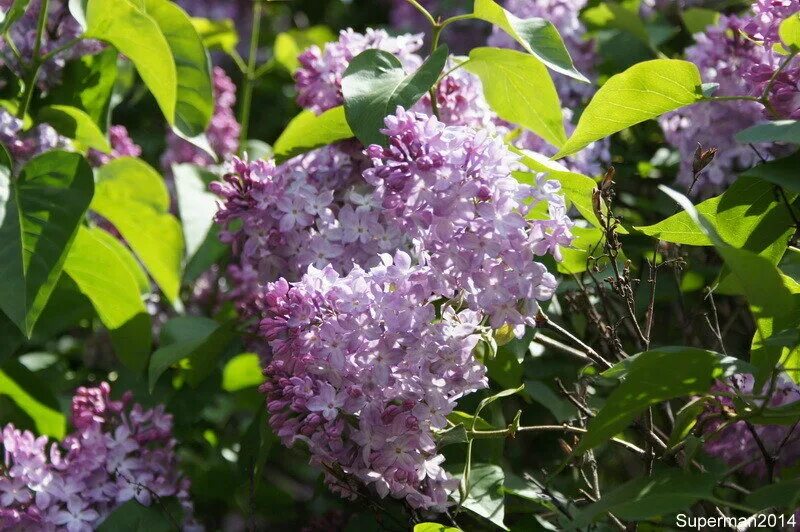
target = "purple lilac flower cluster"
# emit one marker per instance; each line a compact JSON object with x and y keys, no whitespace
{"x":450,"y":189}
{"x":122,"y":145}
{"x":573,"y":94}
{"x":363,"y":375}
{"x":60,"y":28}
{"x":314,"y":209}
{"x":222,"y":132}
{"x":117,"y":453}
{"x":731,"y":54}
{"x":25,"y":145}
{"x":361,"y":369}
{"x":735,"y":444}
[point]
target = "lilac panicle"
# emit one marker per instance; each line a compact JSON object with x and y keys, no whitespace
{"x":358,"y":367}
{"x":122,"y":145}
{"x":117,"y":452}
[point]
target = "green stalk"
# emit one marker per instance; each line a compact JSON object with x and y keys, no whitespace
{"x":30,"y":82}
{"x":249,"y":81}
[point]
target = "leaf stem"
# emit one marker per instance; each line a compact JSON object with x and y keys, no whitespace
{"x":249,"y":79}
{"x":425,"y":12}
{"x":30,"y":81}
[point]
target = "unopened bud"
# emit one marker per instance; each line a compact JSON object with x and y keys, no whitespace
{"x":702,"y":158}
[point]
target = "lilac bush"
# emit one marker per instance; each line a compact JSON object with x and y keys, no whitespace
{"x":118,"y":452}
{"x":122,"y":145}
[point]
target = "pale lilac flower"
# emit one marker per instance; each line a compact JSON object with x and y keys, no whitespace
{"x":116,"y":453}
{"x":121,"y":146}
{"x":25,"y":145}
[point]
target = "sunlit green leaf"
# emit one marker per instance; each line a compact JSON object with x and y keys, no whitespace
{"x":308,"y":130}
{"x":33,"y":397}
{"x":75,"y":124}
{"x":242,"y":371}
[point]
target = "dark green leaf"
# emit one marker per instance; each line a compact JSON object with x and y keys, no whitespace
{"x":785,"y":494}
{"x":777,"y":131}
{"x":611,"y":15}
{"x":134,"y":517}
{"x":783,"y":172}
{"x":38,"y":221}
{"x":375,"y":83}
{"x":87,"y":83}
{"x":199,"y":341}
{"x":652,"y":377}
{"x":663,"y":493}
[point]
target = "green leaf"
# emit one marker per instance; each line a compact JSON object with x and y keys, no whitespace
{"x":134,"y":517}
{"x":307,"y":131}
{"x":782,"y":172}
{"x":537,"y":36}
{"x":697,"y":19}
{"x":777,"y":131}
{"x":520,"y":90}
{"x":771,"y":300}
{"x":242,"y":371}
{"x":784,"y":494}
{"x":575,"y":259}
{"x":653,"y":377}
{"x":540,"y":392}
{"x":611,"y":15}
{"x":486,"y":493}
{"x":491,"y":399}
{"x":576,"y":187}
{"x":686,"y":419}
{"x":375,"y":83}
{"x":127,"y":258}
{"x":434,"y":527}
{"x":195,"y":90}
{"x":88,"y":83}
{"x":643,"y":92}
{"x":256,"y":444}
{"x":75,"y":124}
{"x":789,"y":31}
{"x":38,"y":220}
{"x":290,"y":44}
{"x":746,"y":216}
{"x":198,"y":340}
{"x":217,"y":34}
{"x":197,"y":206}
{"x":661,"y":494}
{"x":136,"y":35}
{"x":34,"y":398}
{"x":133,"y":197}
{"x":107,"y":281}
